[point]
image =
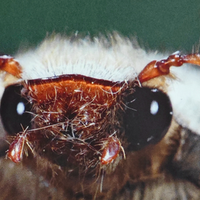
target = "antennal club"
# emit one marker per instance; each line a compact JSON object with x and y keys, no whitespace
{"x":162,"y":67}
{"x":10,"y":65}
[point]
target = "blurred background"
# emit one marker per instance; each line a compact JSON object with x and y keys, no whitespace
{"x":163,"y":25}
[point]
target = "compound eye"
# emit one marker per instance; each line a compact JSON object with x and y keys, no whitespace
{"x":148,"y":115}
{"x":15,"y":109}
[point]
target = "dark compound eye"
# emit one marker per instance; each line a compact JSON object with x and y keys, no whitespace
{"x":148,"y":115}
{"x":14,"y":110}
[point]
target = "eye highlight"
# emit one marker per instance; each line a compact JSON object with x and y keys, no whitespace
{"x":148,"y":115}
{"x":14,"y":110}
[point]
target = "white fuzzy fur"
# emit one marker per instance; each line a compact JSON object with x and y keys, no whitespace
{"x":184,"y":93}
{"x":118,"y":62}
{"x":57,"y":56}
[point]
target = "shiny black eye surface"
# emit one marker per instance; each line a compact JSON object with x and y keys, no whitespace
{"x":148,"y":115}
{"x":15,"y":109}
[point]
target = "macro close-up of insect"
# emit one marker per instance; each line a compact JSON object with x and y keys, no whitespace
{"x":99,"y":118}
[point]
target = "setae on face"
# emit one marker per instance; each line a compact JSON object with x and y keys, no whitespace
{"x":99,"y":119}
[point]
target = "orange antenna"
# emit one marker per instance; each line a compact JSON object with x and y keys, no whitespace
{"x":10,"y":65}
{"x":162,"y":67}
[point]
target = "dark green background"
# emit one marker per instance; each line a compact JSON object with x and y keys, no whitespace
{"x":159,"y":24}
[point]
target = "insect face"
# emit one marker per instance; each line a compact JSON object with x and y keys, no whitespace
{"x":73,"y":115}
{"x":85,"y":123}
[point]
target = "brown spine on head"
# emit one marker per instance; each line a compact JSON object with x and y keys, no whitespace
{"x":10,"y":65}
